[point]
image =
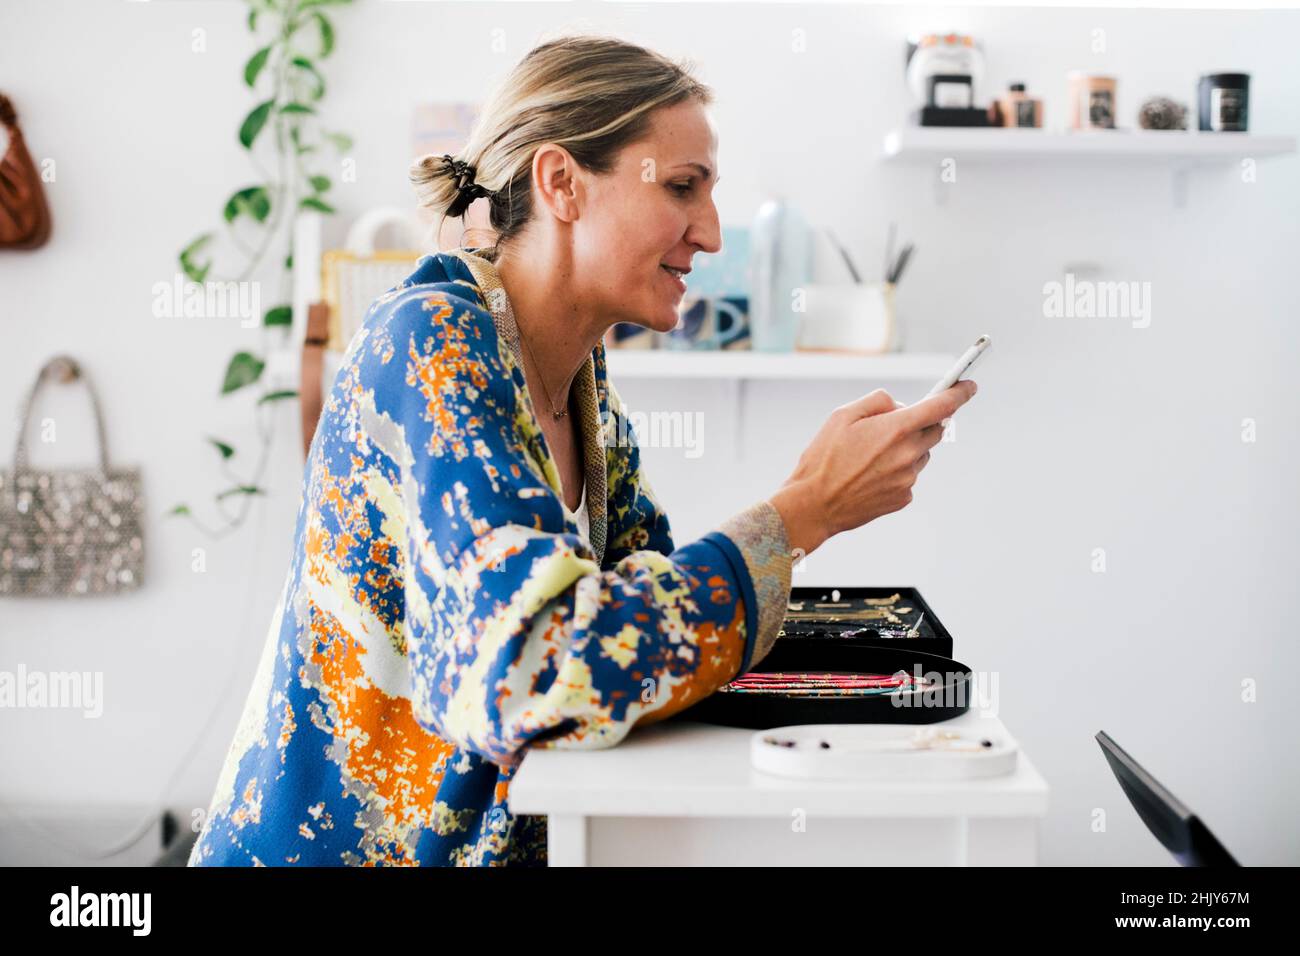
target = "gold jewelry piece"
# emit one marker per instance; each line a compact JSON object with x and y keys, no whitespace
{"x":557,"y":414}
{"x":855,"y":610}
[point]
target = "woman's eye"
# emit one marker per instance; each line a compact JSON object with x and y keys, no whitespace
{"x":681,"y":189}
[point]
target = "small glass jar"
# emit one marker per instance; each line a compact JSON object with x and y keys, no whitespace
{"x":1015,"y":108}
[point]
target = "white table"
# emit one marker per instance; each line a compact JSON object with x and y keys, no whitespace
{"x":685,"y":794}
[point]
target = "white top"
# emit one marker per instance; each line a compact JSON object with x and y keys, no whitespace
{"x":584,"y":523}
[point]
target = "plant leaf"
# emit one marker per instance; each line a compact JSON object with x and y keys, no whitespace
{"x":254,"y":122}
{"x":255,"y":64}
{"x":280,"y":315}
{"x":302,"y":63}
{"x":296,"y":108}
{"x":277,"y":396}
{"x":227,"y":451}
{"x":241,"y":490}
{"x":311,"y":202}
{"x":195,"y":272}
{"x":326,"y":34}
{"x":254,"y":201}
{"x":244,"y":369}
{"x":342,"y":141}
{"x":180,"y":510}
{"x":320,"y":183}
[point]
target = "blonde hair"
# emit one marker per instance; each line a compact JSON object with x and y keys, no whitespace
{"x":591,"y":95}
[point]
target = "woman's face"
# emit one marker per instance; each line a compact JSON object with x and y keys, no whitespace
{"x":652,"y":211}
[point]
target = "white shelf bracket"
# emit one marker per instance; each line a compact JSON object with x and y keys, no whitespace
{"x":941,"y":189}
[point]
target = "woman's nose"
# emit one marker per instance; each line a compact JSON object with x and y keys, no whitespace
{"x":706,"y":231}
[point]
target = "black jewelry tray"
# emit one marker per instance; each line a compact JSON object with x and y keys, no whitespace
{"x":950,"y":697}
{"x":806,"y":620}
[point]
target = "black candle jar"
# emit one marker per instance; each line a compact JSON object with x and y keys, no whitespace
{"x":1224,"y":102}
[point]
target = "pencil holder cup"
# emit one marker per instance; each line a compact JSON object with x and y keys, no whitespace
{"x":848,"y":318}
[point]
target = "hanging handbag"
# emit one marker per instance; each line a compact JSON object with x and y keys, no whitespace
{"x":24,"y":216}
{"x":69,"y":532}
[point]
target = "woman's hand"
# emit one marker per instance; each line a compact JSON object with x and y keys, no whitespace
{"x":862,"y":464}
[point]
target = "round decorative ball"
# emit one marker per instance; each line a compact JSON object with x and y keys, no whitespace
{"x":1160,"y":112}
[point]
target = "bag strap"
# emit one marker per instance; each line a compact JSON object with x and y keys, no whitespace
{"x":63,"y":368}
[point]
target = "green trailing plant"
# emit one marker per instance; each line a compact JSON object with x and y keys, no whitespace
{"x":285,"y":144}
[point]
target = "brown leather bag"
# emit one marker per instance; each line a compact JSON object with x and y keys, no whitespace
{"x":311,"y":396}
{"x":24,"y":216}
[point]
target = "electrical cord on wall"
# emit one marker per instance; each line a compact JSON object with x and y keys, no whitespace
{"x":141,"y":830}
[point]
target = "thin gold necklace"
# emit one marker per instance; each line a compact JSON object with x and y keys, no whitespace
{"x":557,"y":414}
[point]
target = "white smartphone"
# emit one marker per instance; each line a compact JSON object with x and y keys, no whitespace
{"x":962,"y":366}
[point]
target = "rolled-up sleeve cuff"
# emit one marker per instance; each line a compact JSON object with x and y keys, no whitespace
{"x":758,"y":535}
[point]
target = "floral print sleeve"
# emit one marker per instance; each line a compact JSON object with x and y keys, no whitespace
{"x":754,"y":540}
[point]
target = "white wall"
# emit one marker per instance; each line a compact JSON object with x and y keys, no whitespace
{"x":1086,"y":433}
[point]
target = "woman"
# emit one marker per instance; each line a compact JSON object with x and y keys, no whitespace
{"x":481,"y":565}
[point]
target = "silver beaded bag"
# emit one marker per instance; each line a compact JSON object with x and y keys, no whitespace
{"x":70,"y":532}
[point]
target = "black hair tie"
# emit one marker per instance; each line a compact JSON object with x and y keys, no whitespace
{"x":463,"y":173}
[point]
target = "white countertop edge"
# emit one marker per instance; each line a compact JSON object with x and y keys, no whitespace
{"x":900,"y":807}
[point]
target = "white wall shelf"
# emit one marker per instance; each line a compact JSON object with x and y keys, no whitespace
{"x":1176,"y":147}
{"x":748,"y":366}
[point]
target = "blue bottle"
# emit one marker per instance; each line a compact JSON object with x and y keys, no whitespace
{"x":780,"y":264}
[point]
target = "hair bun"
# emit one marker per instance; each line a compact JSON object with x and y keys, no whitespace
{"x":445,"y":183}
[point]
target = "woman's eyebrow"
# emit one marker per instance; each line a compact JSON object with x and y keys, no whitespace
{"x":705,"y":172}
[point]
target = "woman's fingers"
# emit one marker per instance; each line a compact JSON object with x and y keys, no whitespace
{"x":931,"y":435}
{"x":873,"y":403}
{"x":914,"y":445}
{"x":936,"y":408}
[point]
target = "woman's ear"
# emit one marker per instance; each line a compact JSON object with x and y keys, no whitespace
{"x":555,"y":181}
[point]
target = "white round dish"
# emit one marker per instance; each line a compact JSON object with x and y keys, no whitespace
{"x":882,"y":752}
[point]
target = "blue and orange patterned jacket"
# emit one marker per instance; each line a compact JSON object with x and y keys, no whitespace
{"x":442,"y":615}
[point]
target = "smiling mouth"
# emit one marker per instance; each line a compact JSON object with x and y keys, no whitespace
{"x":678,"y":275}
